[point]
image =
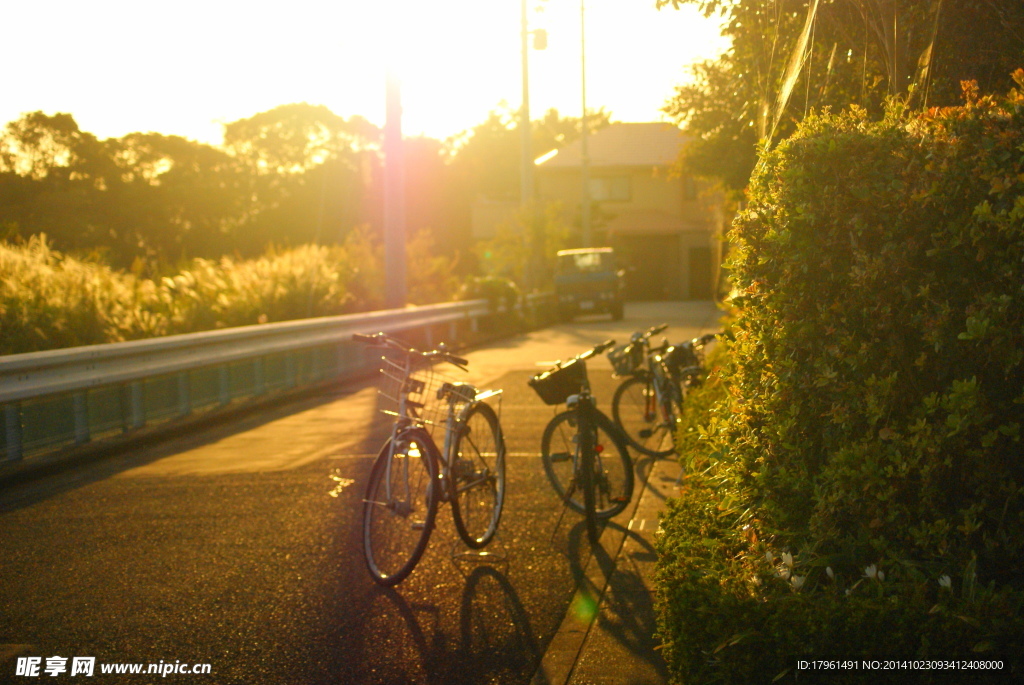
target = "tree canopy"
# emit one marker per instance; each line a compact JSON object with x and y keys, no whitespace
{"x":791,"y":56}
{"x":293,"y":175}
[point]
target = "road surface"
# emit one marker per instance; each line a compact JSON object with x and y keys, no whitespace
{"x":238,"y":547}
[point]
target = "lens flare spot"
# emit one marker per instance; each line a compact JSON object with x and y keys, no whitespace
{"x":584,"y":607}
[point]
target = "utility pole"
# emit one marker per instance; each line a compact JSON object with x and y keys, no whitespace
{"x":394,"y":196}
{"x":584,"y":155}
{"x":526,"y":162}
{"x":527,"y":189}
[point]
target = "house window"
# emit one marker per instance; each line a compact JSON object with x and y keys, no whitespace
{"x":611,"y":189}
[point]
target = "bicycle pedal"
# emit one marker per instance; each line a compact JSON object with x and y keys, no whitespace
{"x":560,"y":456}
{"x":646,"y":433}
{"x":419,"y":525}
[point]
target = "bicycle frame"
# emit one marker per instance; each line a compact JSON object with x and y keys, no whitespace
{"x":409,"y":423}
{"x":580,"y":428}
{"x":648,"y":403}
{"x":412,"y":475}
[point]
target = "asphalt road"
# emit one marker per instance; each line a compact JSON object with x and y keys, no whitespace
{"x":238,"y":547}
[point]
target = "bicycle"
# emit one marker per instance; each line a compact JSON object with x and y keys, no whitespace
{"x":584,"y":453}
{"x":411,"y":476}
{"x":648,"y":404}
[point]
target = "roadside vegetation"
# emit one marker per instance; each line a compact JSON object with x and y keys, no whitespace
{"x":148,"y":235}
{"x":50,"y":300}
{"x":855,"y":481}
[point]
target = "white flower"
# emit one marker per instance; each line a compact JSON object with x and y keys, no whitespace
{"x":770,"y":558}
{"x":830,"y":573}
{"x":945,"y":581}
{"x":871,"y":572}
{"x":783,"y":573}
{"x":881,"y":576}
{"x":787,"y":559}
{"x":798,"y":582}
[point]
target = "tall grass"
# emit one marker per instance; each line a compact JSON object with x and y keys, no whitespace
{"x":49,"y":300}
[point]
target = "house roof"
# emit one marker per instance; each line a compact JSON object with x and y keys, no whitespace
{"x":622,"y":144}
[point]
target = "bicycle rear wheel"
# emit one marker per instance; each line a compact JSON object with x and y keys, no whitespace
{"x":478,"y":476}
{"x":647,"y":426}
{"x":612,"y":468}
{"x":399,"y":509}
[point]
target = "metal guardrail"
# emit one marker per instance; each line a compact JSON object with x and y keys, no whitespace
{"x":57,"y":398}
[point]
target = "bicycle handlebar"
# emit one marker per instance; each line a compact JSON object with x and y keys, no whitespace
{"x":705,"y":339}
{"x":641,"y":336}
{"x":597,"y":349}
{"x":383,"y":340}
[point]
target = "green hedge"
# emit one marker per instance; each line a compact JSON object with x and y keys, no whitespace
{"x":871,"y":430}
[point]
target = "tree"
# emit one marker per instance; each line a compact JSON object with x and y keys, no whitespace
{"x":176,"y":198}
{"x":535,"y":230}
{"x":143,"y":195}
{"x":306,"y":170}
{"x":833,"y":53}
{"x":484,"y":162}
{"x":51,"y":173}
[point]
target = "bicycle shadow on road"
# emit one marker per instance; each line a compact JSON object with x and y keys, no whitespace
{"x":416,"y":642}
{"x":614,"y":595}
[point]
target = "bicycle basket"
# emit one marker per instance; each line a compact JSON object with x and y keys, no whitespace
{"x":554,"y":386}
{"x":681,"y":356}
{"x":420,"y":388}
{"x":626,"y":359}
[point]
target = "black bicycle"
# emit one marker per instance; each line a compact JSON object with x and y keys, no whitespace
{"x":584,"y":453}
{"x":412,"y":475}
{"x":648,"y":404}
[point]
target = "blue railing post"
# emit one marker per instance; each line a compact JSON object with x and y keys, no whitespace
{"x":12,"y":429}
{"x":184,"y":394}
{"x":81,"y":410}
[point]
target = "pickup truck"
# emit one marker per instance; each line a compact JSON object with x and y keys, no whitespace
{"x":589,"y":281}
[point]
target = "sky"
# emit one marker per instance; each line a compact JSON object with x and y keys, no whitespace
{"x":188,"y":67}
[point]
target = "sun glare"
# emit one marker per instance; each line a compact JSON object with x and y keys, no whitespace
{"x":457,"y":60}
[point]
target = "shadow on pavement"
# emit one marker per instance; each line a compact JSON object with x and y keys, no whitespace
{"x":494,"y":641}
{"x":624,"y":612}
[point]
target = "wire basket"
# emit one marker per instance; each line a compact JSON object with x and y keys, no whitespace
{"x":683,"y":355}
{"x":626,"y":359}
{"x":419,"y":394}
{"x":554,"y":386}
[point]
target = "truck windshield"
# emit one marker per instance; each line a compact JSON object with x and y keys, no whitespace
{"x":583,"y":262}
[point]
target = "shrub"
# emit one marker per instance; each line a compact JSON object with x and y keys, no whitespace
{"x":874,"y":401}
{"x":49,"y":300}
{"x":501,"y":293}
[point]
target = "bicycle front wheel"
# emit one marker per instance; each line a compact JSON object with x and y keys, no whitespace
{"x":399,"y":509}
{"x":612,"y":470}
{"x":647,"y":426}
{"x":478,"y":476}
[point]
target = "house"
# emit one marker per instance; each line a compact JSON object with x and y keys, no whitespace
{"x":665,"y":227}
